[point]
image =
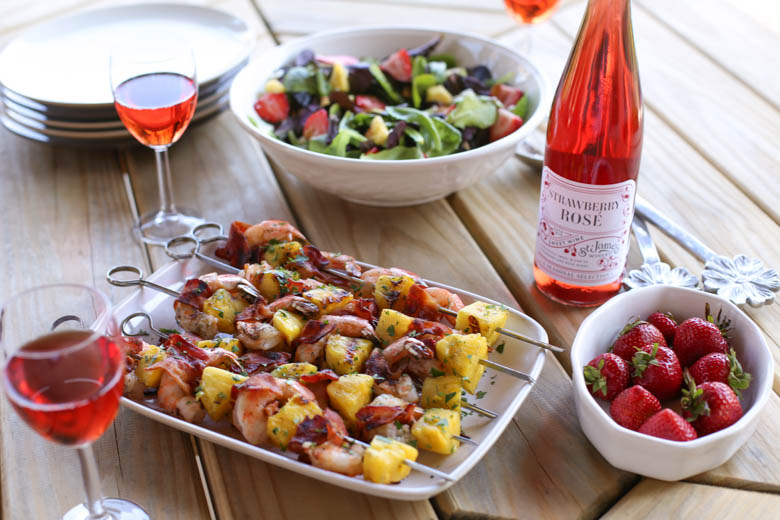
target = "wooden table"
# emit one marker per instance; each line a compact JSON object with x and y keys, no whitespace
{"x":710,"y":73}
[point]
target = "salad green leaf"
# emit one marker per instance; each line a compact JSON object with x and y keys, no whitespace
{"x":395,"y":153}
{"x":450,"y":138}
{"x":439,"y":70}
{"x":323,"y":87}
{"x":420,"y":84}
{"x":384,"y":83}
{"x":473,"y":110}
{"x":521,"y":107}
{"x":418,"y":65}
{"x":427,"y":128}
{"x":415,"y":136}
{"x":506,"y":78}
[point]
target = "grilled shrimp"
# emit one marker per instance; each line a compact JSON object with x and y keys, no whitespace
{"x":350,"y":326}
{"x":258,"y":398}
{"x":192,"y":320}
{"x":253,"y":273}
{"x":175,"y":391}
{"x":406,"y":348}
{"x":311,"y":352}
{"x":344,"y":262}
{"x":372,"y":275}
{"x":256,"y":335}
{"x":447,"y":300}
{"x":422,"y":368}
{"x":267,"y":230}
{"x":295,"y":303}
{"x":402,"y":388}
{"x":344,"y":458}
{"x":229,"y":282}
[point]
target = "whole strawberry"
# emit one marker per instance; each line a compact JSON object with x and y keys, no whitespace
{"x":667,"y":424}
{"x":710,"y":407}
{"x":657,"y":369}
{"x":606,"y":376}
{"x":633,"y":406}
{"x":635,"y":334}
{"x":697,"y":337}
{"x":723,"y":368}
{"x":664,"y":322}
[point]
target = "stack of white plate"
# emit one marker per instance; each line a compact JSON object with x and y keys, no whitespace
{"x":54,"y":78}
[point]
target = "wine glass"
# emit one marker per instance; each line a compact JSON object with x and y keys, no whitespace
{"x":155,"y":93}
{"x":529,"y":12}
{"x":63,"y":373}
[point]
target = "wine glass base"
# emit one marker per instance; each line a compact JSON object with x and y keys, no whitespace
{"x":116,"y":508}
{"x":160,"y":226}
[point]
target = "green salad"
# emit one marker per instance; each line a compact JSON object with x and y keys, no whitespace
{"x":412,"y":104}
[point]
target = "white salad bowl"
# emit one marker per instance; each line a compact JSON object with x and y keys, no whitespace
{"x":650,"y":456}
{"x":398,"y":182}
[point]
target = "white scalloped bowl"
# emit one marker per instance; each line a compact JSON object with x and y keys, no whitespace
{"x":390,"y":183}
{"x":650,"y":456}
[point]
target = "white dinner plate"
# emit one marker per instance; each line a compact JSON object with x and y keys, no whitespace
{"x":64,"y":62}
{"x":35,"y":119}
{"x":502,"y":393}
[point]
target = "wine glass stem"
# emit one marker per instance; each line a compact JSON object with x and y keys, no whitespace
{"x":89,"y":472}
{"x":164,"y":180}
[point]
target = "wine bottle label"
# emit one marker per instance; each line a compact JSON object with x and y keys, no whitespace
{"x":583,"y":234}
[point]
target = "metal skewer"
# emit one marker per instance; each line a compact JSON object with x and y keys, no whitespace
{"x":450,"y":312}
{"x":422,"y":468}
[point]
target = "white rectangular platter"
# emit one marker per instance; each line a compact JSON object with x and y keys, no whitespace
{"x":502,"y":394}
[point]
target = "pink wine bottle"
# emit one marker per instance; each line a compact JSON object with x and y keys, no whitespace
{"x":591,"y":162}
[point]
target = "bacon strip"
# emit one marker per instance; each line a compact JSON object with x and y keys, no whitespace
{"x":195,"y":292}
{"x":261,"y":361}
{"x":314,"y":331}
{"x":328,"y":427}
{"x":322,"y":375}
{"x":420,"y":304}
{"x":236,"y":251}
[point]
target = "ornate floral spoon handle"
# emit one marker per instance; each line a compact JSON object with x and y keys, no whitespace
{"x":653,"y":270}
{"x":741,"y":279}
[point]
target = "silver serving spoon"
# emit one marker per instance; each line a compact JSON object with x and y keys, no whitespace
{"x":741,"y":279}
{"x":653,"y":270}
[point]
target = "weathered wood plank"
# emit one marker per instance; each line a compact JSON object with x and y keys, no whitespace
{"x":689,"y":92}
{"x":523,"y":473}
{"x":67,"y":219}
{"x":219,"y":169}
{"x":654,"y":499}
{"x":745,"y":49}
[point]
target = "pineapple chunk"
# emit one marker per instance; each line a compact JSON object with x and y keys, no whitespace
{"x":435,"y":429}
{"x":391,"y":291}
{"x":460,"y":355}
{"x":349,"y":394}
{"x":282,"y":425}
{"x":290,"y":324}
{"x":274,"y":86}
{"x":224,"y":307}
{"x":150,"y":355}
{"x":377,"y":131}
{"x":229,"y":344}
{"x":279,"y":254}
{"x":484,"y":318}
{"x":339,"y":78}
{"x":214,"y":392}
{"x":293,"y":370}
{"x":383,"y":461}
{"x":347,"y":355}
{"x":275,"y":283}
{"x":392,"y":325}
{"x":438,"y":94}
{"x":441,"y":392}
{"x":328,"y":298}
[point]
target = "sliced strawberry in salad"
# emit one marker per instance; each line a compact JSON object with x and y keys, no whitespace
{"x":398,"y":65}
{"x":505,"y":124}
{"x":369,"y":103}
{"x":506,"y":94}
{"x":344,"y":59}
{"x":273,"y":108}
{"x":316,"y":124}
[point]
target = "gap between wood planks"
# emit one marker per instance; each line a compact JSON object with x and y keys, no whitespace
{"x":194,"y":442}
